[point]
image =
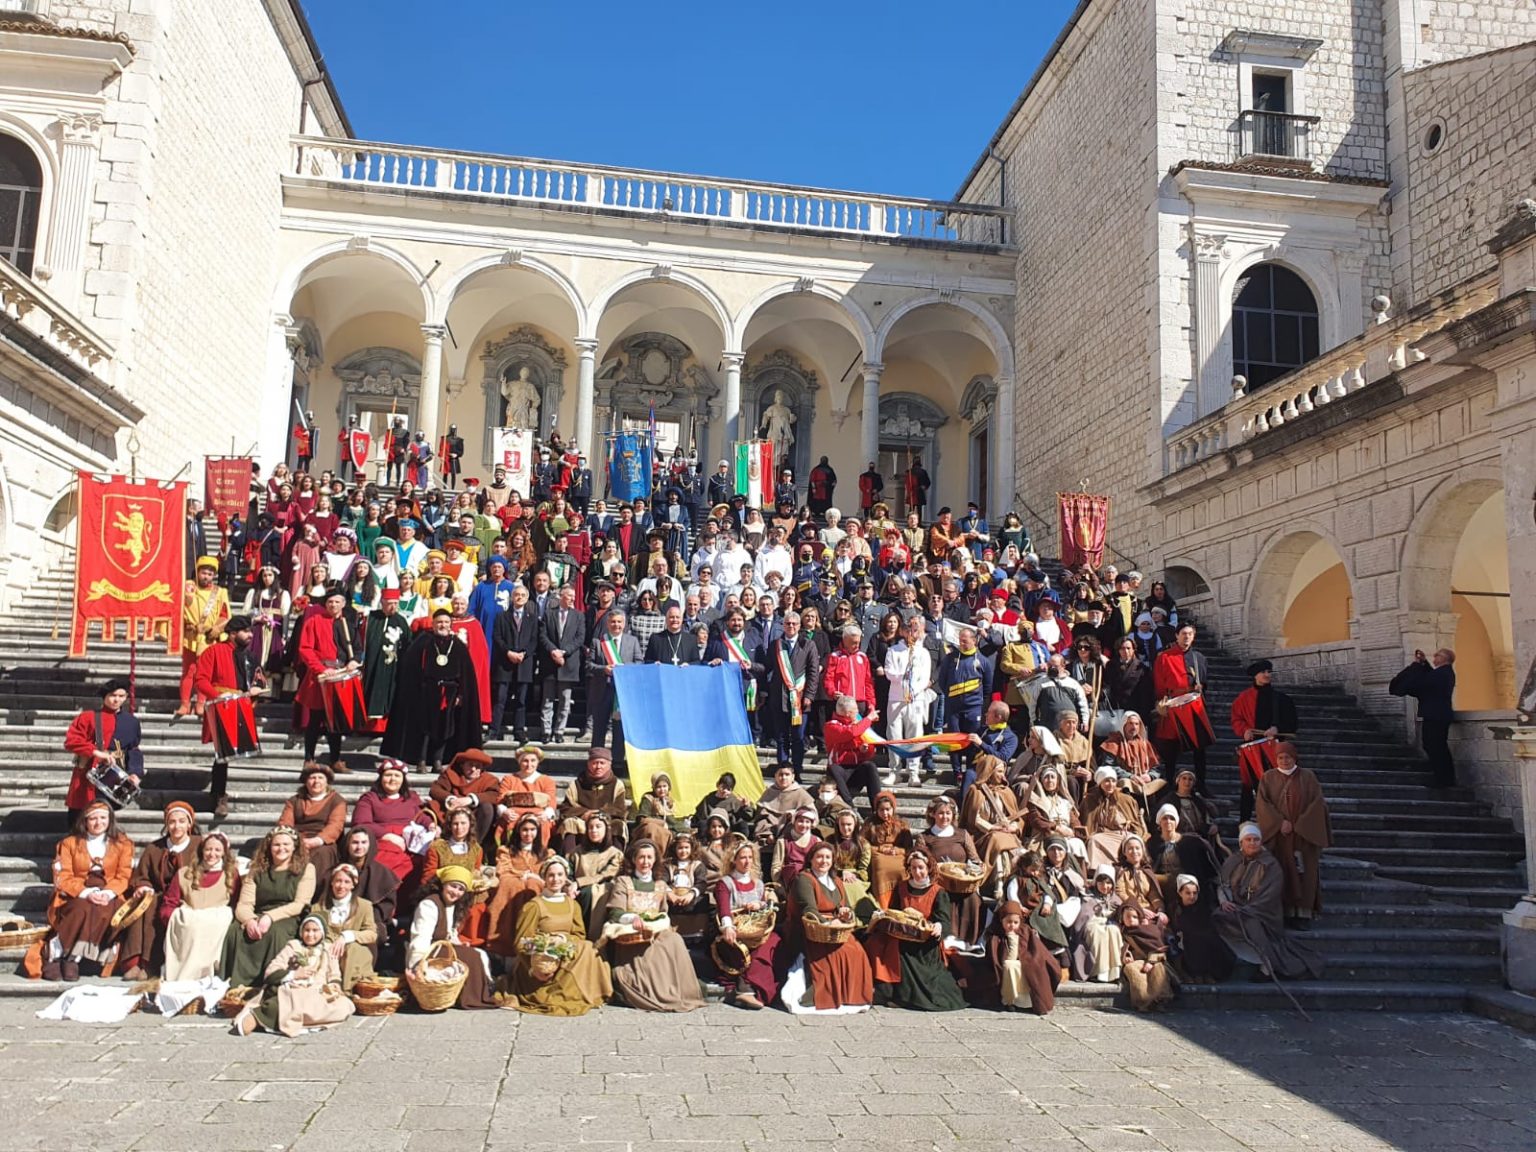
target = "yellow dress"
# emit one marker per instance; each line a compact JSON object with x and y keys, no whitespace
{"x":582,"y":982}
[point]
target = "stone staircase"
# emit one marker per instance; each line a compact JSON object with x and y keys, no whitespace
{"x":1413,"y":890}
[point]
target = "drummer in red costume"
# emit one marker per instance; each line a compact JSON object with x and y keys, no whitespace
{"x":223,"y":669}
{"x":95,"y":737}
{"x":328,"y":642}
{"x":1182,"y":725}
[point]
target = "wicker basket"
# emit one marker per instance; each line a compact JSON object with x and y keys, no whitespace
{"x":752,"y":928}
{"x":18,"y":933}
{"x":435,"y":995}
{"x":370,"y":987}
{"x":914,"y":931}
{"x":234,"y":1000}
{"x":820,"y":931}
{"x":542,"y":967}
{"x":958,"y":880}
{"x":386,"y":1005}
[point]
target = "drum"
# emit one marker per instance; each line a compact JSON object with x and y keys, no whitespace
{"x":346,"y":710}
{"x":112,"y":783}
{"x":1255,"y":758}
{"x":234,"y":727}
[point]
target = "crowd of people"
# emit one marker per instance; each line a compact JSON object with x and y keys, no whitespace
{"x":1074,"y":836}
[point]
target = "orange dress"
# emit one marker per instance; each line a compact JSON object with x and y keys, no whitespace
{"x":838,"y":973}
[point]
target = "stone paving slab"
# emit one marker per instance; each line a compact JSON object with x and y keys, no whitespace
{"x":720,"y":1080}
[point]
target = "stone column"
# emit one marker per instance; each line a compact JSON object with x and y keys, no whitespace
{"x":72,"y":203}
{"x":1213,"y":364}
{"x":431,"y":382}
{"x":869,"y":427}
{"x":732,"y":402}
{"x":586,"y":373}
{"x":1003,"y":463}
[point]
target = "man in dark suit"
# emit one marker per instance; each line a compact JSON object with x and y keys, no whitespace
{"x":1431,"y":680}
{"x":721,"y":486}
{"x":789,"y":668}
{"x":514,"y":659}
{"x":673,"y":645}
{"x":611,"y":646}
{"x":580,"y":494}
{"x":562,"y":635}
{"x":197,"y":538}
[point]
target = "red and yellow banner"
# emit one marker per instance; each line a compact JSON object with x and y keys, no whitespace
{"x":227,"y":482}
{"x":130,"y":555}
{"x":1084,"y":525}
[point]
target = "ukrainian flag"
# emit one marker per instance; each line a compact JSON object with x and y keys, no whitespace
{"x":689,"y":722}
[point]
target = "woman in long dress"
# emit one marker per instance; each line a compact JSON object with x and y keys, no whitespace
{"x":594,"y":866}
{"x":654,"y":973}
{"x":754,"y":977}
{"x":1149,"y":980}
{"x":517,"y":882}
{"x":1109,"y":817}
{"x":318,"y":813}
{"x":141,"y":947}
{"x":350,"y":931}
{"x":1135,"y":882}
{"x":457,"y":846}
{"x":911,"y":973}
{"x":301,"y":988}
{"x":1049,"y":811}
{"x":947,"y":843}
{"x":268,"y":604}
{"x":851,"y":855}
{"x":581,"y":981}
{"x":889,"y":841}
{"x":91,"y":870}
{"x":384,"y":811}
{"x":1097,"y":946}
{"x":439,"y":918}
{"x":831,"y":979}
{"x":278,"y":887}
{"x":991,"y":815}
{"x":199,"y":908}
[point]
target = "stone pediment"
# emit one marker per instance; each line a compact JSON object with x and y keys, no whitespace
{"x":522,"y":339}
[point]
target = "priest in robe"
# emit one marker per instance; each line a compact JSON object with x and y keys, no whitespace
{"x":1293,"y":816}
{"x":437,"y":700}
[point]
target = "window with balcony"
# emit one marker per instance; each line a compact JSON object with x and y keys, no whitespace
{"x":21,"y":190}
{"x":1274,"y":324}
{"x":1272,"y":120}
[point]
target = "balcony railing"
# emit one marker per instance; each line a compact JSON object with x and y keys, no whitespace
{"x":1385,"y":348}
{"x":1275,"y":135}
{"x":31,"y":307}
{"x":668,"y":195}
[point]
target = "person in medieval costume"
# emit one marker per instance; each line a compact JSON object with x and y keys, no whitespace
{"x":1179,"y":677}
{"x":1261,"y":712}
{"x":268,"y":605}
{"x":384,"y":641}
{"x":420,"y":457}
{"x":1250,"y":913}
{"x":1293,"y":816}
{"x":141,"y":947}
{"x":106,"y":735}
{"x":451,"y":453}
{"x":437,"y":703}
{"x":467,"y":629}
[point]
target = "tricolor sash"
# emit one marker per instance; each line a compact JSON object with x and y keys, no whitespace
{"x":609,"y":647}
{"x":738,"y":653}
{"x":794,"y":685}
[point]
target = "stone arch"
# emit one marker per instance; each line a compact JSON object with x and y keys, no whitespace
{"x":666,"y":274}
{"x":288,"y":286}
{"x":1456,"y":540}
{"x":1301,"y":591}
{"x":450,"y":290}
{"x":780,"y":371}
{"x":1184,"y":579}
{"x":524,"y":353}
{"x":997,"y":339}
{"x":1315,"y":273}
{"x":62,"y":511}
{"x":859,"y":319}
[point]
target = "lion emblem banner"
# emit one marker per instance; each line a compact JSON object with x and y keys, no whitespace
{"x":130,"y":556}
{"x":1084,"y":525}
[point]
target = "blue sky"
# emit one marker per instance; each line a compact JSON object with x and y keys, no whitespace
{"x":887,"y":96}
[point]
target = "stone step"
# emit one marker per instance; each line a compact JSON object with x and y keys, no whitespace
{"x":1425,"y":838}
{"x":1330,"y":937}
{"x":1337,"y":913}
{"x":1434,"y":967}
{"x":1508,"y":879}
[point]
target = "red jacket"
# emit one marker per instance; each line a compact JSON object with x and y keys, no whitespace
{"x":317,"y":654}
{"x":849,"y":674}
{"x":844,"y":743}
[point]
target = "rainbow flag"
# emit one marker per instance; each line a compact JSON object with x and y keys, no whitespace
{"x":691,"y":723}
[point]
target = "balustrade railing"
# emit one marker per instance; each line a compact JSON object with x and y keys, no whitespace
{"x":1386,"y":348}
{"x":661,"y":194}
{"x":1275,"y":134}
{"x":35,"y":310}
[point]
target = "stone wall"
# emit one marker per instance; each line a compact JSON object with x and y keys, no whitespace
{"x":1448,"y":29}
{"x":1086,"y":225}
{"x":1341,"y":83}
{"x":1485,"y":760}
{"x":1484,"y":111}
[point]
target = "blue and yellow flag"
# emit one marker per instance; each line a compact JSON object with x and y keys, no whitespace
{"x":689,"y":722}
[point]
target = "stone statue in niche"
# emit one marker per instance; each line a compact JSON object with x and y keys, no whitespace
{"x":777,"y":420}
{"x":522,"y":401}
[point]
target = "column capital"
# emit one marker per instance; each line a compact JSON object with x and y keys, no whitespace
{"x":873,"y":368}
{"x":730,"y":360}
{"x":79,"y":127}
{"x":586,"y":346}
{"x":1209,"y":247}
{"x":434,"y":333}
{"x":283,"y":320}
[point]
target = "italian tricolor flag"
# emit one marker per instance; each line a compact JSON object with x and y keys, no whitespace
{"x":754,"y":472}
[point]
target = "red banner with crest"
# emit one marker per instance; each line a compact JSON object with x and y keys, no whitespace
{"x":227,"y":483}
{"x":130,"y":555}
{"x":1084,"y":525}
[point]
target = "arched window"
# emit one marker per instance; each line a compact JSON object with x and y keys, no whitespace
{"x":1274,"y":324}
{"x":21,"y":192}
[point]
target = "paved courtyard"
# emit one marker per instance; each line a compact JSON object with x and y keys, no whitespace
{"x":721,"y":1079}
